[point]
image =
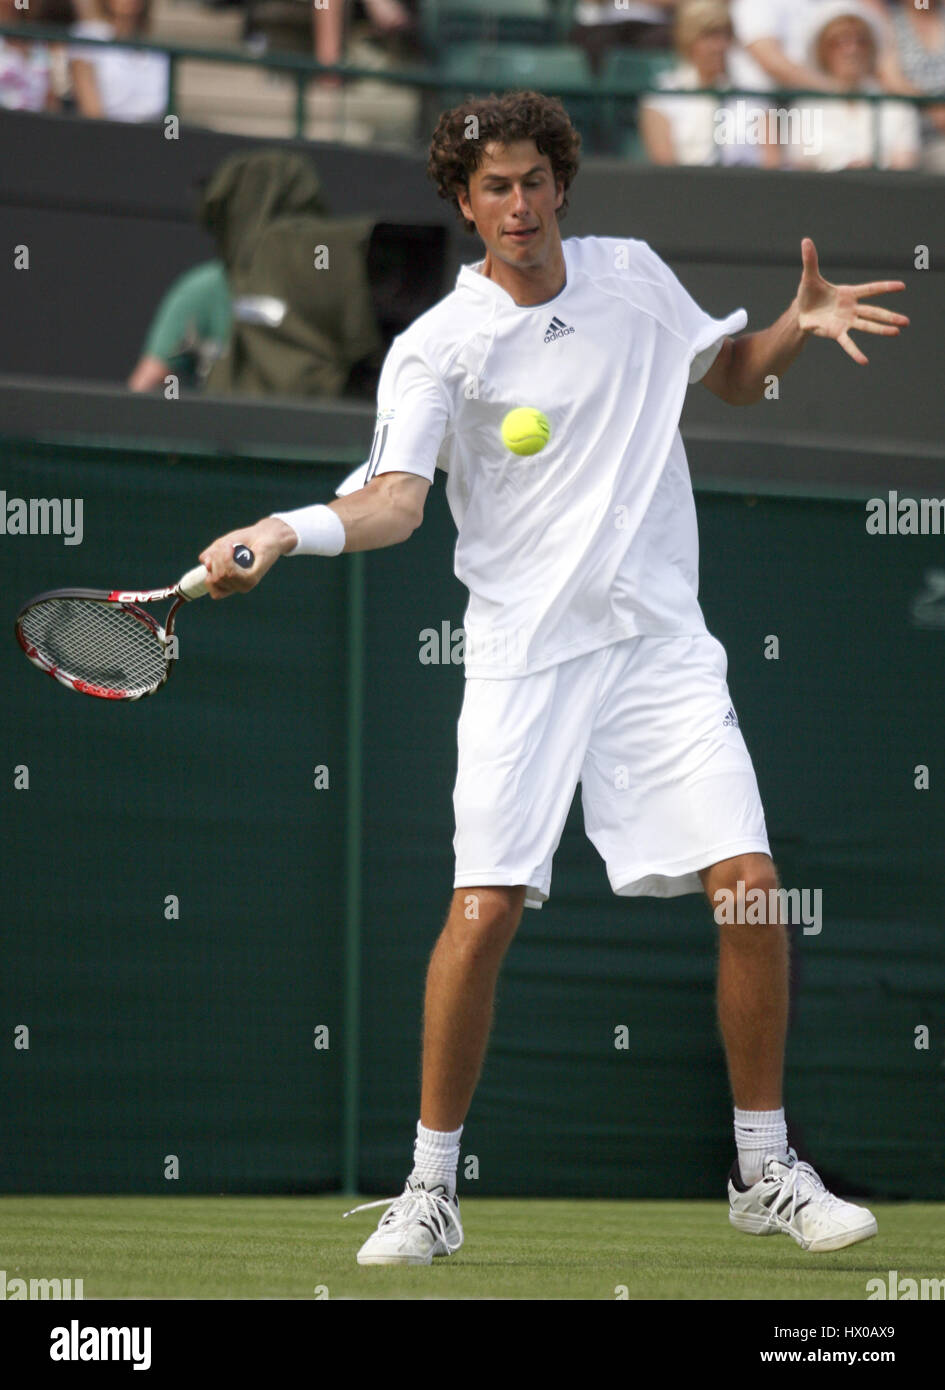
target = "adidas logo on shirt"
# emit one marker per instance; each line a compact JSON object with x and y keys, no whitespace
{"x":731,"y":720}
{"x":557,"y":329}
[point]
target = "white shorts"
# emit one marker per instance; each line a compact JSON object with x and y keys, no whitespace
{"x":647,"y":727}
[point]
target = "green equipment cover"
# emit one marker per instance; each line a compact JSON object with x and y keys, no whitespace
{"x":303,"y":314}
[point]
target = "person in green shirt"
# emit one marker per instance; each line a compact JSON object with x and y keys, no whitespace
{"x":189,"y":330}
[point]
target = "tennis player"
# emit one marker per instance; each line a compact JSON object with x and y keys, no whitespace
{"x":587,"y":654}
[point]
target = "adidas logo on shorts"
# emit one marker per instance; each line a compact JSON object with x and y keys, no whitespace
{"x":557,"y":329}
{"x":731,"y":719}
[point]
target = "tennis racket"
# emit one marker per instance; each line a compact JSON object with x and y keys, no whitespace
{"x":103,"y":643}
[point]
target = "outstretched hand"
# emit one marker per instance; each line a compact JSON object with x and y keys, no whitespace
{"x":831,"y":311}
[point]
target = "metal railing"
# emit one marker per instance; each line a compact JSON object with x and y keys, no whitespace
{"x":600,"y":96}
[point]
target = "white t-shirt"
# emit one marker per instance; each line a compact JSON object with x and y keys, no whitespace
{"x":133,"y":85}
{"x":594,"y":539}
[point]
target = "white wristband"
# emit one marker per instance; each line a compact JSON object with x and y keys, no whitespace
{"x":320,"y":530}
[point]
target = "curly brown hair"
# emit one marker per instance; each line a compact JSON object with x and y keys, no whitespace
{"x":455,"y":154}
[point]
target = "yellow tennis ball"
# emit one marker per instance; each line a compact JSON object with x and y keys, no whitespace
{"x":525,"y":430}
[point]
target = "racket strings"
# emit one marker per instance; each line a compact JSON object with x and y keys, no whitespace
{"x":97,"y":642}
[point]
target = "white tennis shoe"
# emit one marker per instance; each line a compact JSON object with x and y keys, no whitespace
{"x":417,"y":1227}
{"x":791,"y":1198}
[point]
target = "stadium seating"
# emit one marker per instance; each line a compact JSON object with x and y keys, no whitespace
{"x":553,"y":68}
{"x":450,"y":21}
{"x":510,"y":64}
{"x":633,"y":70}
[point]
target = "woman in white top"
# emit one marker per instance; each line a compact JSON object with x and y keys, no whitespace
{"x":24,"y":67}
{"x":679,"y":129}
{"x":843,"y":42}
{"x":121,"y":84}
{"x":772,"y":38}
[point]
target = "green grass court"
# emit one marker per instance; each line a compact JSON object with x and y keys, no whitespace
{"x":287,"y":1247}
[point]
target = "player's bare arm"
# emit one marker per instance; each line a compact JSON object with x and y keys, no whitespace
{"x":820,"y":310}
{"x":385,"y":512}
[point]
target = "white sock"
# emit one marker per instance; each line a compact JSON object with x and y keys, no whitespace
{"x":758,"y":1133}
{"x":436,"y":1157}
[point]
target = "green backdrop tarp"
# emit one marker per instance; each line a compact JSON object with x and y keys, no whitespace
{"x":152,"y":1036}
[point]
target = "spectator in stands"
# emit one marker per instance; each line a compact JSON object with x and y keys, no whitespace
{"x":600,"y":25}
{"x":772,"y":38}
{"x":189,"y":331}
{"x":25,"y":69}
{"x":920,"y":44}
{"x":386,"y":21}
{"x":843,"y":44}
{"x":121,"y":84}
{"x":702,"y":129}
{"x":301,"y":25}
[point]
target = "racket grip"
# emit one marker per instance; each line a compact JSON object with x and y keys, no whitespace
{"x":194,"y":583}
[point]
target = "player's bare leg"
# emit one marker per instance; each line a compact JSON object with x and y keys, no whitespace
{"x":424,"y":1223}
{"x":769,"y":1190}
{"x":460,"y":991}
{"x":752,"y":987}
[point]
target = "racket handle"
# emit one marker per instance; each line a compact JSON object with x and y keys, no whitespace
{"x":194,"y":583}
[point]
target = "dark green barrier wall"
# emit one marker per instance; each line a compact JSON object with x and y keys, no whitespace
{"x":151,"y":1036}
{"x":194,"y":1037}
